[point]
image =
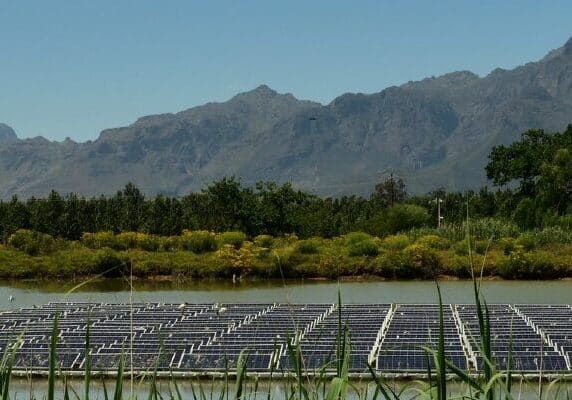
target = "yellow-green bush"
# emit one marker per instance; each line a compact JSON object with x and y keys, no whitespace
{"x":291,"y":238}
{"x":540,"y":265}
{"x":395,"y":242}
{"x":477,"y":246}
{"x":126,"y":240}
{"x":433,"y":242}
{"x":31,"y":242}
{"x":264,"y":241}
{"x":198,"y":241}
{"x":237,"y":262}
{"x":308,"y":246}
{"x":420,"y":261}
{"x":148,"y":242}
{"x":281,"y":259}
{"x":366,"y":248}
{"x":356,"y":237}
{"x":112,"y":264}
{"x":98,"y":240}
{"x":507,"y":245}
{"x":527,"y":241}
{"x":235,"y":239}
{"x":172,"y":243}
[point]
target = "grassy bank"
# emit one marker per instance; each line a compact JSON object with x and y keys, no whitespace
{"x":502,"y":249}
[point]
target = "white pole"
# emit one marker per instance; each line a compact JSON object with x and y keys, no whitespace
{"x":439,"y":217}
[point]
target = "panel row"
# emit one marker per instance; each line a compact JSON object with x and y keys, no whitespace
{"x":394,"y":338}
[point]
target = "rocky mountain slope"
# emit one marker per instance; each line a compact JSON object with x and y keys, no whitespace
{"x":435,"y":133}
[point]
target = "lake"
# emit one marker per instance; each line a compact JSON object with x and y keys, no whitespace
{"x":28,"y":293}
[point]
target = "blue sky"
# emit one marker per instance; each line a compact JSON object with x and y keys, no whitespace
{"x":72,"y":68}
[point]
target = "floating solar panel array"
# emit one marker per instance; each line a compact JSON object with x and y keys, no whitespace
{"x":412,"y":330}
{"x":207,"y":338}
{"x":554,"y":324}
{"x":515,"y":345}
{"x":320,"y":346}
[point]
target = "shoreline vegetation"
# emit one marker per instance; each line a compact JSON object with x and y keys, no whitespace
{"x":502,"y":250}
{"x":523,"y":230}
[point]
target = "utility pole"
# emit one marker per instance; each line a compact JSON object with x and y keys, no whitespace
{"x":438,"y":200}
{"x":439,"y":217}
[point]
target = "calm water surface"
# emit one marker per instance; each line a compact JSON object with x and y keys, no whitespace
{"x":38,"y":292}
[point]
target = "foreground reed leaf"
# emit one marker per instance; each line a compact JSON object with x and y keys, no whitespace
{"x":52,"y":360}
{"x":118,"y":394}
{"x":441,"y":366}
{"x":240,"y":374}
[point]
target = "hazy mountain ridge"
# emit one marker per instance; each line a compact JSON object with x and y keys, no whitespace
{"x":7,"y":134}
{"x":436,"y":133}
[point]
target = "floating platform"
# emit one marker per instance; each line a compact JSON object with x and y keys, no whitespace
{"x":208,"y":339}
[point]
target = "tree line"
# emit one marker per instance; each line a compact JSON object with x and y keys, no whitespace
{"x":532,"y":179}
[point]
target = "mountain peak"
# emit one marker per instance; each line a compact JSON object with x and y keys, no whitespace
{"x":566,"y":49}
{"x":568,"y":46}
{"x":7,"y":134}
{"x":262,"y":91}
{"x":264,"y":95}
{"x":265,"y":89}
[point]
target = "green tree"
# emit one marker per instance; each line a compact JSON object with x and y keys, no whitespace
{"x":130,"y":203}
{"x":400,"y":217}
{"x":556,"y":181}
{"x":389,"y":192}
{"x":522,"y":160}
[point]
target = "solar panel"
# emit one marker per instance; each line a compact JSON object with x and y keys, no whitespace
{"x":210,"y":337}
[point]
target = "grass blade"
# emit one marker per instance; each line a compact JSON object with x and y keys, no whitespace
{"x":87,"y":361}
{"x":118,"y":394}
{"x":105,"y":393}
{"x":52,"y":360}
{"x":381,"y":386}
{"x":240,"y":374}
{"x":440,"y":364}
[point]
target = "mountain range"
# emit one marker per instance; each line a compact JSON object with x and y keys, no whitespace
{"x":434,"y":133}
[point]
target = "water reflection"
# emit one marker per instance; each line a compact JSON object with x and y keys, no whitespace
{"x":278,"y":389}
{"x":28,"y":293}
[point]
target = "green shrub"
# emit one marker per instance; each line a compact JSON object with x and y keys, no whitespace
{"x":148,"y":242}
{"x":434,"y":242}
{"x":363,"y":248}
{"x":31,"y":242}
{"x":111,"y":264}
{"x":308,"y":246}
{"x":487,"y":228}
{"x":420,"y":261}
{"x":265,"y":241}
{"x":453,"y":232}
{"x":507,"y":245}
{"x":565,"y":221}
{"x":356,"y":237}
{"x":527,"y":241}
{"x":553,"y":235}
{"x":198,"y":241}
{"x":172,"y":243}
{"x":98,"y":240}
{"x":125,"y":240}
{"x":291,"y":238}
{"x":477,"y":246}
{"x":235,"y":239}
{"x":395,"y":242}
{"x":281,"y":259}
{"x":524,"y":265}
{"x":481,"y":246}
